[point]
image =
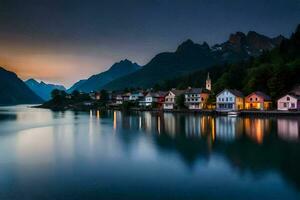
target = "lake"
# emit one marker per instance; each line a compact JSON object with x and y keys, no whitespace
{"x":144,"y":155}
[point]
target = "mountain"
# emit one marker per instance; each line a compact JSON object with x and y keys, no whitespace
{"x":95,"y":82}
{"x":75,"y":86}
{"x":242,"y":46}
{"x":191,"y":56}
{"x":14,"y":91}
{"x":42,"y":89}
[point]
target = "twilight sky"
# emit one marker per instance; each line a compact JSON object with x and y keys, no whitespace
{"x":62,"y":41}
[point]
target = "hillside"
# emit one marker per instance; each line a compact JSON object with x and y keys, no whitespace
{"x":14,"y":91}
{"x":95,"y":82}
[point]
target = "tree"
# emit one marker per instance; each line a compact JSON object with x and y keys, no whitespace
{"x":180,"y":101}
{"x":104,"y":96}
{"x":55,"y":93}
{"x":75,"y":93}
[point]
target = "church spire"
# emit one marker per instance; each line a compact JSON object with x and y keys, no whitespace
{"x":208,"y":82}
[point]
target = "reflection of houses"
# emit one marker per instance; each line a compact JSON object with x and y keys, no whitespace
{"x":198,"y":126}
{"x":288,"y":128}
{"x":170,"y":99}
{"x":196,"y":98}
{"x":170,"y":124}
{"x":257,"y":128}
{"x":230,"y":100}
{"x":227,"y":128}
{"x":258,"y":100}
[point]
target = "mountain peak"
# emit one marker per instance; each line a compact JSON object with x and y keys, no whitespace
{"x":186,"y":44}
{"x":124,"y":64}
{"x":237,"y":38}
{"x":31,"y":80}
{"x":189,"y":45}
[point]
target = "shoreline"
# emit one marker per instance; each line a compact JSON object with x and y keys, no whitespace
{"x":205,"y":112}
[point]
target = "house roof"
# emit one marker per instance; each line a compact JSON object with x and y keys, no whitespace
{"x":196,"y":91}
{"x":137,"y":93}
{"x":234,"y":92}
{"x":292,"y":95}
{"x":261,"y":94}
{"x":177,"y":92}
{"x":295,"y":92}
{"x":157,"y":94}
{"x":127,"y":94}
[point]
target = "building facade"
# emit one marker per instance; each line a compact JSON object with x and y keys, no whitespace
{"x":258,"y":101}
{"x":289,"y":102}
{"x":196,"y":98}
{"x":229,"y":100}
{"x":170,"y":99}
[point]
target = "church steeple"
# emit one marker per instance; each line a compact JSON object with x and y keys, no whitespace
{"x":208,"y":82}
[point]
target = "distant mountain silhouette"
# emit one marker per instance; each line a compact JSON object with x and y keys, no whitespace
{"x":95,"y":82}
{"x":14,"y":91}
{"x":42,"y":89}
{"x":191,"y":56}
{"x":76,"y":85}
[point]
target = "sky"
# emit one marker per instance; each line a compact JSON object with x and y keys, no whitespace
{"x":63,"y":41}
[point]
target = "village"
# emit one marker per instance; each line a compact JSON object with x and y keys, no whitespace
{"x":228,"y":101}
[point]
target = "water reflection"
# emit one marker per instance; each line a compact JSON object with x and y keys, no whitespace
{"x":288,"y":129}
{"x":114,"y":154}
{"x":199,"y":126}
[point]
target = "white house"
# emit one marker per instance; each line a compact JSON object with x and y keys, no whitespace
{"x":135,"y":96}
{"x":170,"y":99}
{"x":289,"y":102}
{"x":196,"y":98}
{"x":119,"y":99}
{"x":230,"y":100}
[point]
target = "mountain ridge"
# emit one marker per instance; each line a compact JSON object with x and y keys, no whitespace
{"x":14,"y":91}
{"x":43,"y":89}
{"x":190,"y":56}
{"x":95,"y":82}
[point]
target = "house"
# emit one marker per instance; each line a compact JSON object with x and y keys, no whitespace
{"x":230,"y":100}
{"x":126,"y":96}
{"x":258,"y":100}
{"x":161,"y":98}
{"x":196,"y":98}
{"x":153,"y":97}
{"x":290,"y":101}
{"x":119,"y":99}
{"x":95,"y":95}
{"x":135,"y":96}
{"x":170,"y":99}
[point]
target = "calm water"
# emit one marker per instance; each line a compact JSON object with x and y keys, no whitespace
{"x":114,"y":155}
